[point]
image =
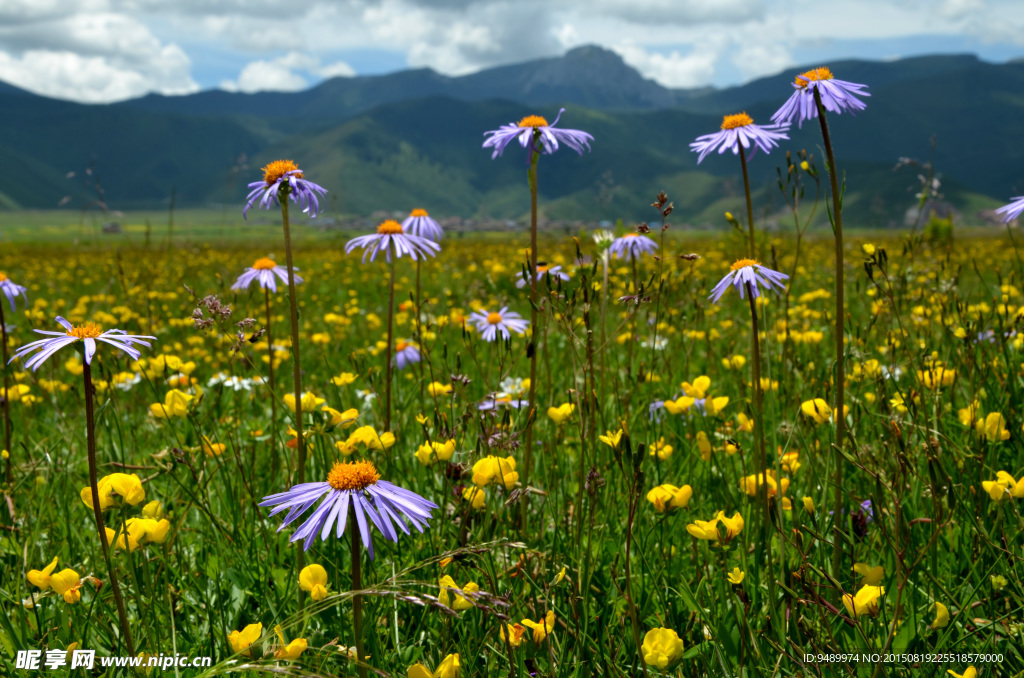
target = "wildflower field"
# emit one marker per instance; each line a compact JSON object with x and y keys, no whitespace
{"x":617,"y":454}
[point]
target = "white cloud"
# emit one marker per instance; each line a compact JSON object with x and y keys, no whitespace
{"x":284,"y":74}
{"x":675,"y":69}
{"x":94,"y":58}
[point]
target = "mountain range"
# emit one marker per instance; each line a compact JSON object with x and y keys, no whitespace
{"x":412,"y":139}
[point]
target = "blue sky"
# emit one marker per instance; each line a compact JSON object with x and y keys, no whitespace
{"x":109,"y":50}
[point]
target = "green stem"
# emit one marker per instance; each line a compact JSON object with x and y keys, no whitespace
{"x":97,"y":512}
{"x":840,"y":401}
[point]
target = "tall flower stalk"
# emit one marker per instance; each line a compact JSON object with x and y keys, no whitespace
{"x":12,"y":291}
{"x":815,"y":92}
{"x":392,"y":239}
{"x":89,"y":334}
{"x":283,"y":180}
{"x":534,"y":132}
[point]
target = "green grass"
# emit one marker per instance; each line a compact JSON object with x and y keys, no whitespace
{"x":582,"y":507}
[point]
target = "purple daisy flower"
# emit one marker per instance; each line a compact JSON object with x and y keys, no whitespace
{"x":738,"y":130}
{"x":632,"y":244}
{"x":555,"y":272}
{"x":351,"y":488}
{"x":535,"y":125}
{"x":12,"y":290}
{"x":263,"y":272}
{"x":420,"y":224}
{"x":836,"y":96}
{"x":89,"y":333}
{"x":391,"y":233}
{"x":278,"y":174}
{"x":1007,"y":212}
{"x":747,"y":272}
{"x":489,"y":325}
{"x":406,"y":353}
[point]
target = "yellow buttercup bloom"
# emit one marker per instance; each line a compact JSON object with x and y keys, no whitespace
{"x":288,"y":651}
{"x":309,"y":401}
{"x":313,"y":578}
{"x":241,"y":641}
{"x":941,"y":616}
{"x":736,"y":576}
{"x":343,"y":379}
{"x":114,"y":488}
{"x":971,"y":672}
{"x":41,"y":579}
{"x":176,"y":404}
{"x":669,"y":497}
{"x":67,"y":583}
{"x":433,"y":452}
{"x":699,"y":388}
{"x":367,"y":437}
{"x":476,"y":497}
{"x":448,"y":668}
{"x":612,"y":439}
{"x":436,"y":389}
{"x":493,"y":469}
{"x":460,"y":603}
{"x":340,"y":419}
{"x":969,"y":415}
{"x":865,"y":602}
{"x":561,"y":414}
{"x":516,"y":633}
{"x":703,"y":445}
{"x":661,"y":449}
{"x":1003,"y":487}
{"x":662,"y":648}
{"x":871,"y":576}
{"x":993,"y":428}
{"x":543,"y":628}
{"x":818,"y":411}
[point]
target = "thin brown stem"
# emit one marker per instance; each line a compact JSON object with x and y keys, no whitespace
{"x":7,"y":399}
{"x":838,"y":411}
{"x":357,"y":600}
{"x":752,"y":246}
{"x":296,"y":363}
{"x":534,"y":330}
{"x":273,"y":387}
{"x":97,"y":512}
{"x":389,"y":354}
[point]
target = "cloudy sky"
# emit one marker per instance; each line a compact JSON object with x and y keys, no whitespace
{"x":109,"y":50}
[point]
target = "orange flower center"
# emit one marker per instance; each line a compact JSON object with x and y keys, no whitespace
{"x":2,"y":277}
{"x":264,"y":264}
{"x":277,"y":169}
{"x":89,"y":330}
{"x":737,"y":120}
{"x":418,"y":213}
{"x":631,"y":235}
{"x":389,"y":227}
{"x":354,"y":475}
{"x":401,"y":346}
{"x":494,"y":317}
{"x":805,"y":79}
{"x":743,"y":263}
{"x":533,"y":121}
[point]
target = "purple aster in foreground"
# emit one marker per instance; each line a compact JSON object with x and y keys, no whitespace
{"x":535,"y":125}
{"x":738,"y":130}
{"x":632,"y":244}
{"x":1007,"y":212}
{"x":351,"y":488}
{"x":391,"y":236}
{"x":490,"y":325}
{"x":284,"y":174}
{"x":836,"y":96}
{"x":264,"y":271}
{"x":12,"y":290}
{"x":89,"y":333}
{"x":555,"y":272}
{"x":406,"y":353}
{"x":748,"y":273}
{"x":420,"y":224}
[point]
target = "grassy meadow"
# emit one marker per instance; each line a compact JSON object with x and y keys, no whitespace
{"x":595,"y":553}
